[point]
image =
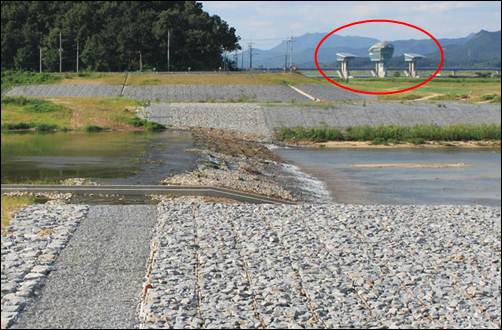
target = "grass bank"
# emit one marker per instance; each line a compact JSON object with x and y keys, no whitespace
{"x":440,"y":89}
{"x":14,"y":78}
{"x":419,"y":134}
{"x":233,"y":78}
{"x":11,"y":204}
{"x":92,"y":78}
{"x":72,"y":113}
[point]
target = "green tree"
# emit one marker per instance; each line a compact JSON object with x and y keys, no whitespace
{"x":111,"y":34}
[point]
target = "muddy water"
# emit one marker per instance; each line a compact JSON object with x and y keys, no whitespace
{"x":109,"y":157}
{"x":477,"y":183}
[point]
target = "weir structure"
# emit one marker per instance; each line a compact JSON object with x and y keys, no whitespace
{"x":381,"y":53}
{"x":343,"y":59}
{"x":411,"y":59}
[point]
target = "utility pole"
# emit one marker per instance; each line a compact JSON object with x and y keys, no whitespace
{"x":77,"y":56}
{"x":169,"y":50}
{"x":242,"y":60}
{"x":251,"y":56}
{"x":286,"y":55}
{"x":60,"y":54}
{"x":140,"y":62}
{"x":292,"y":40}
{"x":40,"y":58}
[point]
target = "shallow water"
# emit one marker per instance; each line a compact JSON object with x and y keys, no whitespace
{"x":108,"y":157}
{"x":478,"y":183}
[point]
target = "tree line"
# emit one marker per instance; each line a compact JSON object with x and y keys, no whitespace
{"x":113,"y":35}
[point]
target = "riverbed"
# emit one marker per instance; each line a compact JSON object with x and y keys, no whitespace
{"x":478,"y":182}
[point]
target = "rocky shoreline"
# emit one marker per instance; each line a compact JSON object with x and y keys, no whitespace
{"x":232,"y":160}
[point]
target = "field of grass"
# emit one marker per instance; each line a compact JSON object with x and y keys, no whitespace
{"x":485,"y":90}
{"x":392,"y":134}
{"x":14,"y":78}
{"x":12,"y":204}
{"x":72,"y":113}
{"x":92,"y":78}
{"x":233,"y":78}
{"x":440,"y":89}
{"x":41,"y":115}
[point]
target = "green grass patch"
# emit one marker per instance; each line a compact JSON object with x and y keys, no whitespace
{"x":31,"y":105}
{"x":93,"y":128}
{"x":17,"y":126}
{"x":14,"y":78}
{"x":46,"y":127}
{"x":75,"y":113}
{"x":148,"y":125}
{"x":11,"y":204}
{"x":439,"y":89}
{"x":21,"y":113}
{"x":392,"y":134}
{"x":491,"y":97}
{"x":220,"y":78}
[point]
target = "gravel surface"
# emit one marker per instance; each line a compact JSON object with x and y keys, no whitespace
{"x":65,"y":90}
{"x":241,"y":117}
{"x":96,"y":282}
{"x":216,"y":265}
{"x":261,"y":119}
{"x":193,"y":93}
{"x":404,"y":114}
{"x":212,"y":93}
{"x":33,"y":241}
{"x":235,"y":172}
{"x":332,"y":93}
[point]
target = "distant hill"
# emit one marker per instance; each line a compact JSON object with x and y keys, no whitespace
{"x":476,"y":50}
{"x":482,"y":49}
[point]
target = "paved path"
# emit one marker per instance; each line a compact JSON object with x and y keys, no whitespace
{"x":177,"y":190}
{"x":97,"y":280}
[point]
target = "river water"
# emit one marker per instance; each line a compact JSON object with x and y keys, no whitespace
{"x":108,"y":157}
{"x":477,"y":183}
{"x":146,"y":158}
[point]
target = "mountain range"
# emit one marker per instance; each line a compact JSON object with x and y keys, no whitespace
{"x":477,"y":50}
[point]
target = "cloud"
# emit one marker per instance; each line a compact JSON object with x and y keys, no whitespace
{"x":268,"y":22}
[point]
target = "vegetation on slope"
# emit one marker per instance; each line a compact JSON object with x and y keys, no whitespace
{"x":220,"y":79}
{"x":72,"y":113}
{"x":441,"y":89}
{"x":392,"y":134}
{"x":13,"y":78}
{"x":10,"y":204}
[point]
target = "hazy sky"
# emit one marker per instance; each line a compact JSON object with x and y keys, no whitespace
{"x":266,"y":23}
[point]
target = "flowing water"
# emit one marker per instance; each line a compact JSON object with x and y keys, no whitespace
{"x":108,"y":157}
{"x":479,"y":182}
